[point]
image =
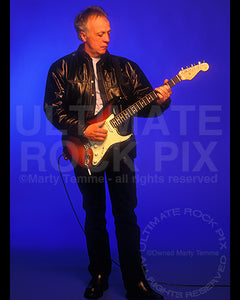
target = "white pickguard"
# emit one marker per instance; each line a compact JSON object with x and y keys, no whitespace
{"x":100,"y":148}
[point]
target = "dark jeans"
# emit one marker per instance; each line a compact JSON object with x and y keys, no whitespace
{"x":122,"y":190}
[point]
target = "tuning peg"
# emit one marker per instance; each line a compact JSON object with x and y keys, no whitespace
{"x":182,"y":68}
{"x":191,"y":65}
{"x":203,"y":61}
{"x":199,"y":63}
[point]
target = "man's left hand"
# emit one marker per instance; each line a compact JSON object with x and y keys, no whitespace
{"x":163,"y":92}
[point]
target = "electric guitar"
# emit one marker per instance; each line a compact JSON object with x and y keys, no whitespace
{"x":90,"y":154}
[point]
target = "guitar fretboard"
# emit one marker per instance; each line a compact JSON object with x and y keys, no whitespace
{"x":176,"y":79}
{"x":140,"y":104}
{"x":133,"y":109}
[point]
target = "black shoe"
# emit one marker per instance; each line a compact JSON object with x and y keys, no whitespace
{"x":96,"y":287}
{"x":143,"y":291}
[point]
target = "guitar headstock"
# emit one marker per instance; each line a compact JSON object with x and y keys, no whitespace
{"x":190,"y":72}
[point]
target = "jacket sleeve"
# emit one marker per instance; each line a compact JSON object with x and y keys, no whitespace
{"x":141,"y":87}
{"x":55,"y":106}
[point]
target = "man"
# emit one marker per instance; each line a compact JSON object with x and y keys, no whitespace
{"x":78,"y":86}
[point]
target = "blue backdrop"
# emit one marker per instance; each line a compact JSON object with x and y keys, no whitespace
{"x":182,"y":157}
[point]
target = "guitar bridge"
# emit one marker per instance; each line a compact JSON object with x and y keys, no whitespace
{"x":87,"y":145}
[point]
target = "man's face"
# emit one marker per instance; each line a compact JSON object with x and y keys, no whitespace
{"x":97,"y":36}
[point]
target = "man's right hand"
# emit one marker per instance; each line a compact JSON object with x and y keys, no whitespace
{"x":95,"y":133}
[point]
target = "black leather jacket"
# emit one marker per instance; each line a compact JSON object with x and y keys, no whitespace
{"x":70,"y":89}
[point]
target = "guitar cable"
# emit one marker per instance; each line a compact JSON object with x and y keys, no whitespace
{"x":70,"y":201}
{"x":116,"y":263}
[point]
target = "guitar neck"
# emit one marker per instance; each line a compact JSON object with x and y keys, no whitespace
{"x":140,"y":104}
{"x":176,"y":79}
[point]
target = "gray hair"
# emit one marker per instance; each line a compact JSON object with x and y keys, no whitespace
{"x":80,"y":22}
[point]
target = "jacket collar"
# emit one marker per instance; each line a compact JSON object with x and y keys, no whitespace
{"x":80,"y":51}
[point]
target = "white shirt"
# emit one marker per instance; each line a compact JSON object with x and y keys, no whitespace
{"x":99,"y":103}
